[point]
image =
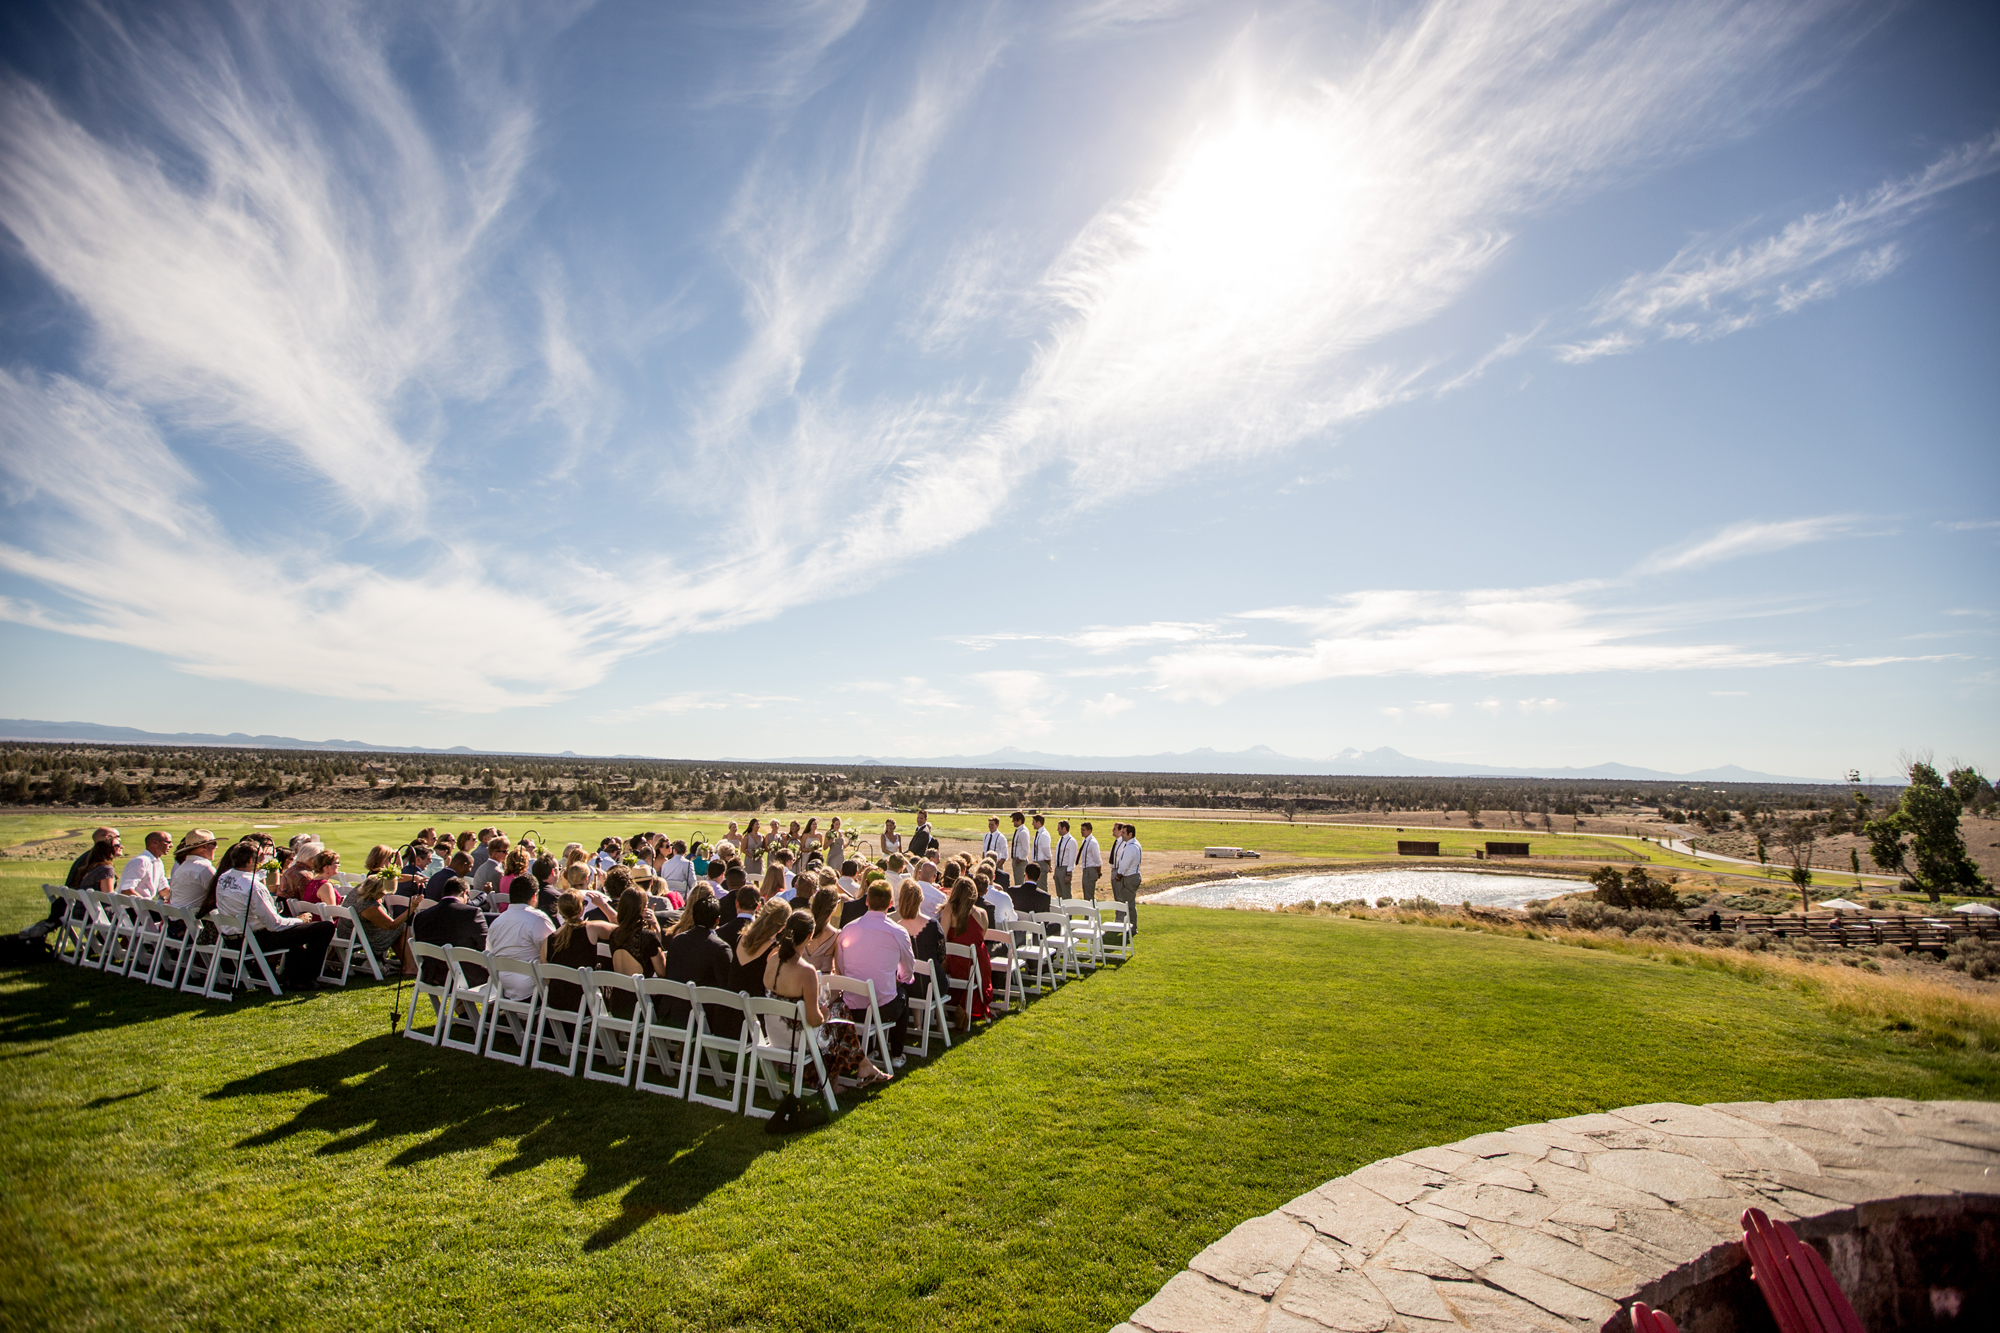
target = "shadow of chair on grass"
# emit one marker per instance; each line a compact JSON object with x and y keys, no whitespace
{"x":667,"y":1156}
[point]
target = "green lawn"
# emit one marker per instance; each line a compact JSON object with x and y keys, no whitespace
{"x":286,"y":1164}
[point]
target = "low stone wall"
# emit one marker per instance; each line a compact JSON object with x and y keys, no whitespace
{"x":1559,"y":1227}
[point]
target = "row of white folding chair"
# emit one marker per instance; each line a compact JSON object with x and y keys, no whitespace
{"x":142,"y":939}
{"x":623,"y":1049}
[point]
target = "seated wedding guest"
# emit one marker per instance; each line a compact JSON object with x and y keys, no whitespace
{"x":610,"y":852}
{"x":519,"y":933}
{"x":100,"y":870}
{"x":292,"y":879}
{"x":194,"y":873}
{"x":574,"y":944}
{"x":636,"y":947}
{"x":757,"y":940}
{"x":926,"y":936}
{"x":97,"y":835}
{"x":1029,"y":896}
{"x":734,"y":922}
{"x":145,"y":875}
{"x":848,"y":885}
{"x":512,"y":867}
{"x":451,"y":920}
{"x":874,"y":948}
{"x":459,"y":867}
{"x":896,"y":867}
{"x":547,"y":891}
{"x":239,"y":896}
{"x":320,"y":885}
{"x":482,"y":848}
{"x":486,"y":874}
{"x":857,"y":906}
{"x":700,"y":894}
{"x":773,"y":883}
{"x":999,"y":905}
{"x":788,"y":976}
{"x":964,"y":923}
{"x":818,"y":947}
{"x":384,"y":931}
{"x":699,"y":955}
{"x":678,"y":871}
{"x":927,"y":884}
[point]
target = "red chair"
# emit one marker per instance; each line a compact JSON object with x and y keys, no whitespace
{"x":1648,"y":1320}
{"x":1802,"y":1294}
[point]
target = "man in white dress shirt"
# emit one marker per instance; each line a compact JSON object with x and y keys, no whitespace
{"x":146,"y":874}
{"x":1022,"y":849}
{"x":1125,"y":874}
{"x":1065,"y":860}
{"x":1042,"y":855}
{"x":995,"y":845}
{"x":1090,"y":860}
{"x":518,"y":933}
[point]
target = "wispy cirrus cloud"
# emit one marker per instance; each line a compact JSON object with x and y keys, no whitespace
{"x":1104,"y":638}
{"x":255,"y":269}
{"x":1755,"y":538}
{"x":1704,"y":292}
{"x":216,"y":607}
{"x":1500,"y":632}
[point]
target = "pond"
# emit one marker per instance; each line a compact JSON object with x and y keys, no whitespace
{"x":1442,"y":886}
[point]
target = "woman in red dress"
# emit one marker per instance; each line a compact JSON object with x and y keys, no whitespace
{"x":965,"y":923}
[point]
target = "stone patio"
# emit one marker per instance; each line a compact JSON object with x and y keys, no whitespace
{"x":1559,"y":1227}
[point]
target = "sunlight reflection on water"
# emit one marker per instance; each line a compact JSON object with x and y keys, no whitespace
{"x":1443,"y":886}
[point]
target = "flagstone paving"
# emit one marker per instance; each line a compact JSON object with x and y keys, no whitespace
{"x":1559,"y":1227}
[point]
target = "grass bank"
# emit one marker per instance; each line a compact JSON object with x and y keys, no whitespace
{"x":286,"y":1164}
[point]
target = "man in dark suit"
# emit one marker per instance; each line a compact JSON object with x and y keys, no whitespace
{"x":704,"y":958}
{"x":746,"y":912}
{"x":1029,"y":896}
{"x":451,"y":920}
{"x":923,"y":839}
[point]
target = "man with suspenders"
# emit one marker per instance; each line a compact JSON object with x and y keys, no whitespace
{"x":995,"y":845}
{"x":1090,"y":860}
{"x":1065,"y":859}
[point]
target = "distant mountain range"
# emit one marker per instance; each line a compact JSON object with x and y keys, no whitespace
{"x":1262,"y":759}
{"x":1258,"y":759}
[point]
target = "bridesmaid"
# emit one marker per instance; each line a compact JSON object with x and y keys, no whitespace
{"x":809,"y":841}
{"x":753,"y":850}
{"x":836,"y":845}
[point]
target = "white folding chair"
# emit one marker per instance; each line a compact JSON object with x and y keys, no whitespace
{"x":613,"y":1040}
{"x":180,"y":927}
{"x":714,"y":1048}
{"x":1033,"y":951}
{"x":555,"y":1024}
{"x":349,"y":939}
{"x":67,"y":938}
{"x":127,"y":924}
{"x":1007,"y":970}
{"x":468,"y":1002}
{"x":1058,"y":944}
{"x":665,"y":1043}
{"x":926,"y":997}
{"x":149,"y":929}
{"x":517,"y":1015}
{"x":1086,"y":941}
{"x":781,"y":1053}
{"x":965,"y":983}
{"x":874,"y":1032}
{"x":206,"y":948}
{"x":1114,"y":929}
{"x":98,"y":929}
{"x":438,"y":991}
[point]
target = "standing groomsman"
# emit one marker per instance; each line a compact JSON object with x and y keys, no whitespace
{"x":1065,"y":859}
{"x":1090,"y":860}
{"x":1125,"y":873}
{"x":1042,"y":855}
{"x":1023,"y":847}
{"x":995,"y":845}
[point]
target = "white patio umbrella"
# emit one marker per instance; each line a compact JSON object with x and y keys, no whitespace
{"x":1975,"y":909}
{"x":1841,"y":905}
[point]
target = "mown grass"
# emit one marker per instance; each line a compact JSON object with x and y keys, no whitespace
{"x":287,"y":1164}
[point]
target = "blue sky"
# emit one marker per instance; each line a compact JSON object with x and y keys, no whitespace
{"x":1511,"y":382}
